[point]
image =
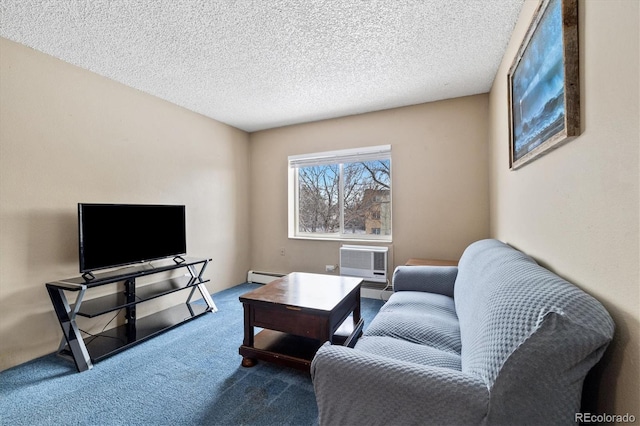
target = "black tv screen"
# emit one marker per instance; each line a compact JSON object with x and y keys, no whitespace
{"x":121,"y":234}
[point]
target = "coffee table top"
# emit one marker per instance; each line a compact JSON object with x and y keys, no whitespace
{"x":305,"y":290}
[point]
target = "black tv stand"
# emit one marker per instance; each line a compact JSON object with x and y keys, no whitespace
{"x":134,"y":330}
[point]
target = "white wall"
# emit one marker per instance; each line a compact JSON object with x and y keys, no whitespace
{"x":68,"y":136}
{"x":576,"y":210}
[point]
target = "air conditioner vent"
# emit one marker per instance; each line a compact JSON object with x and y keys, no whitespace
{"x":380,"y":261}
{"x":356,"y":259}
{"x":365,"y":262}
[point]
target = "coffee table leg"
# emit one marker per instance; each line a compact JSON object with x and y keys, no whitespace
{"x":248,"y":362}
{"x":358,"y":324}
{"x":248,"y":335}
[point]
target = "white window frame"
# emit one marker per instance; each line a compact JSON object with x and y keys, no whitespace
{"x":379,"y":152}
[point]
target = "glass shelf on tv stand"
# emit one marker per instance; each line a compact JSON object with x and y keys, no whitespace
{"x":85,"y":351}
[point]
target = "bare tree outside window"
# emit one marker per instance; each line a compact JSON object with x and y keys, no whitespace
{"x":318,"y":195}
{"x":347,"y":199}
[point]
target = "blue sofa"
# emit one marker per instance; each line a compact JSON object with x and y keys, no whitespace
{"x":496,"y":340}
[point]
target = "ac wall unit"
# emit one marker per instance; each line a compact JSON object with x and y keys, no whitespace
{"x":369,"y":263}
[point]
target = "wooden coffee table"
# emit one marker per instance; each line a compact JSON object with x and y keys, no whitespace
{"x":298,"y":313}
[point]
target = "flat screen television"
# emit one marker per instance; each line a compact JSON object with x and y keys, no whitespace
{"x":113,"y":235}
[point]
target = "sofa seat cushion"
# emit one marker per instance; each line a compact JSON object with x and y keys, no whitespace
{"x":414,"y":353}
{"x":421,"y":318}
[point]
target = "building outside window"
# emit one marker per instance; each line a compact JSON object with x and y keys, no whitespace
{"x":341,"y":194}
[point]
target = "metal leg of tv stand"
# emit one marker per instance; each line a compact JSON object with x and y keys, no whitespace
{"x":207,"y":297}
{"x":67,"y":319}
{"x":202,"y":287}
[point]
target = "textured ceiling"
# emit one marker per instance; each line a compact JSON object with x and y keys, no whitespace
{"x":258,"y":64}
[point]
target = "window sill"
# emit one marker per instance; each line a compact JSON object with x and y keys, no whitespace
{"x":342,"y":239}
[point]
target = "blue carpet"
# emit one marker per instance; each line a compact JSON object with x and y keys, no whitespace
{"x":190,"y":375}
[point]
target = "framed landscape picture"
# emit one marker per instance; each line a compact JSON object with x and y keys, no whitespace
{"x":544,"y":86}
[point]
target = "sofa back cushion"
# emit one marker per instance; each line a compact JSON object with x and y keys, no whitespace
{"x":523,"y":329}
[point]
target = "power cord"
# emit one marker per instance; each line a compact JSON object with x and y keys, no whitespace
{"x":385,"y":289}
{"x":95,"y":336}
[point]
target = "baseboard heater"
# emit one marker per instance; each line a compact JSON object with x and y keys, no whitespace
{"x":261,"y":277}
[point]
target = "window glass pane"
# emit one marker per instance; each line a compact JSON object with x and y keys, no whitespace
{"x":367,"y":197}
{"x":342,"y":194}
{"x":318,"y":199}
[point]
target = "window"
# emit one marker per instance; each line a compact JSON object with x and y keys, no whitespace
{"x":341,"y":194}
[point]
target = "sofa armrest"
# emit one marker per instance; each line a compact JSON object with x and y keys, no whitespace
{"x":432,"y":279}
{"x":359,"y":388}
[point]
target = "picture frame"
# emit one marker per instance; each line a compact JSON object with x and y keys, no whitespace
{"x":544,"y":84}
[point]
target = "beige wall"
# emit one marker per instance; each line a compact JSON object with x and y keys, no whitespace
{"x":576,"y":210}
{"x":439,"y":173}
{"x":69,"y":136}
